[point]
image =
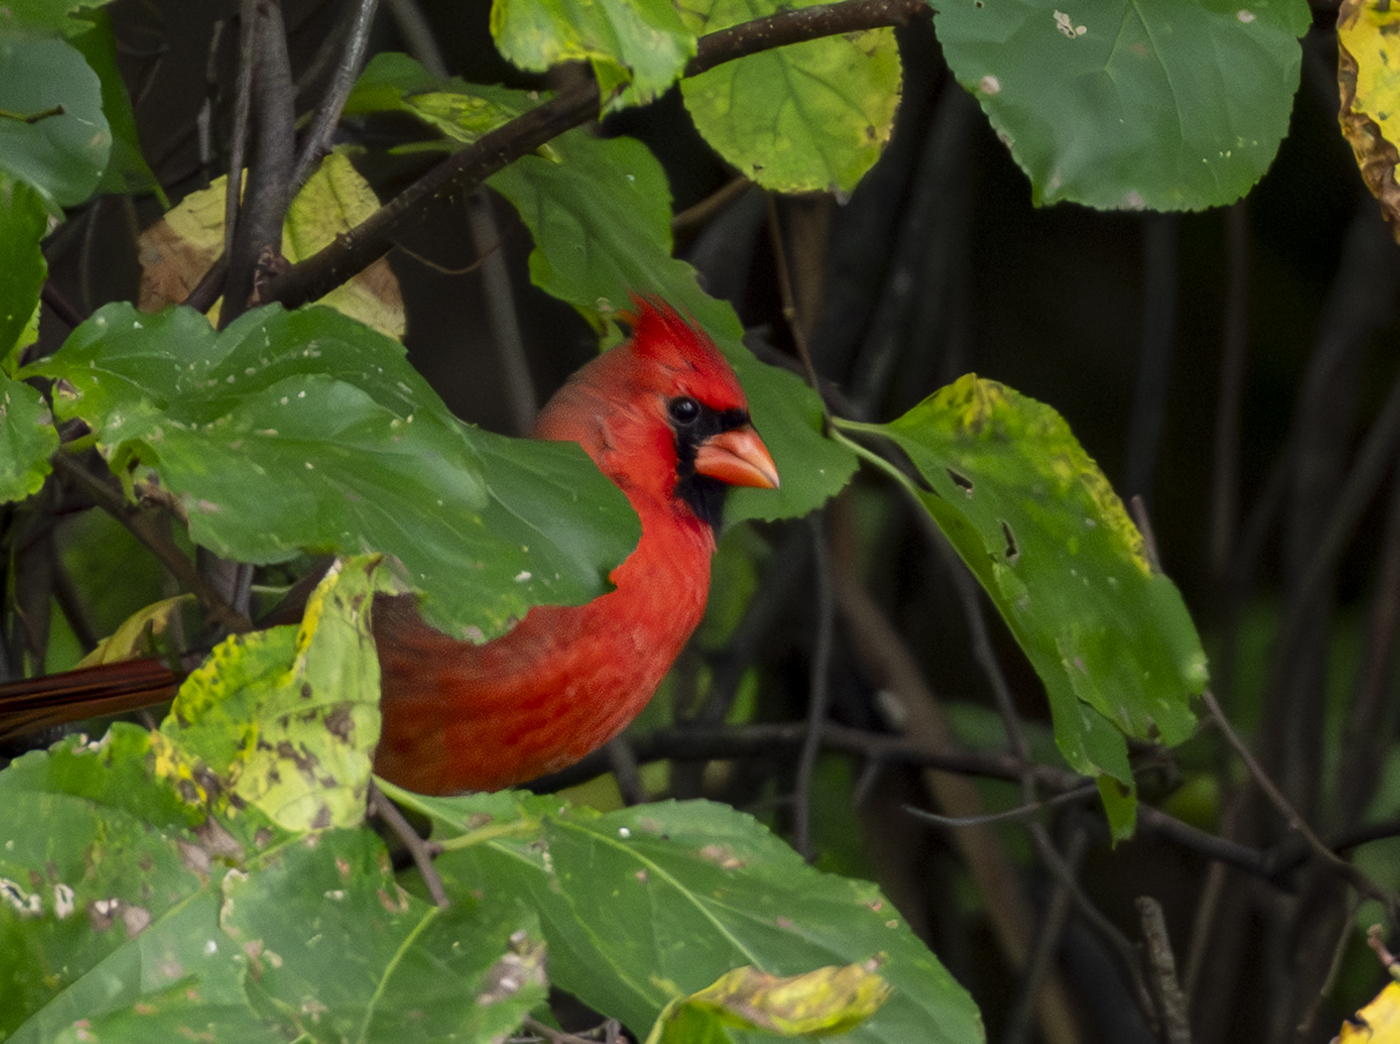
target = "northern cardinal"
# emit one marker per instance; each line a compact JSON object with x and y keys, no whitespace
{"x":664,"y":417}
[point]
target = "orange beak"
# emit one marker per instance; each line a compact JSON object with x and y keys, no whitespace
{"x":737,"y":457}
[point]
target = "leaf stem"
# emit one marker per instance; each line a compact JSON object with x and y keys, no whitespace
{"x":490,"y":832}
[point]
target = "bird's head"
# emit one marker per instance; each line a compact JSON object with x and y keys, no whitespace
{"x":663,"y":416}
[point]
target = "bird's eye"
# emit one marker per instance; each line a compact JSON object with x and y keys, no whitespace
{"x":684,"y":410}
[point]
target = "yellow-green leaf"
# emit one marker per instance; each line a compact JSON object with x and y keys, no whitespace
{"x":136,"y":635}
{"x":813,"y":116}
{"x":286,"y":719}
{"x":833,"y":999}
{"x":179,"y":249}
{"x":1368,"y":72}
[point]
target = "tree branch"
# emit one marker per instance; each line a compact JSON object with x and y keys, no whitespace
{"x":374,"y":237}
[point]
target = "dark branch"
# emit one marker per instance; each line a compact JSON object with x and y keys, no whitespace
{"x":372,"y":239}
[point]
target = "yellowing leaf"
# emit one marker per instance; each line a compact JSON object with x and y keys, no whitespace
{"x":833,"y":999}
{"x":1368,"y":73}
{"x":135,"y":637}
{"x":1377,"y":1023}
{"x":176,"y":251}
{"x":286,"y":719}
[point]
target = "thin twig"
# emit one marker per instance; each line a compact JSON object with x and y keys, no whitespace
{"x":418,"y":35}
{"x":1171,"y":1002}
{"x":820,"y":688}
{"x":1047,"y":944}
{"x":150,"y":533}
{"x":1375,"y":940}
{"x":555,"y":1036}
{"x":625,"y":769}
{"x":318,"y":137}
{"x":422,"y":851}
{"x":1225,"y":471}
{"x":521,"y":398}
{"x":1011,"y":814}
{"x":1358,"y":880}
{"x":242,"y":113}
{"x":789,"y":297}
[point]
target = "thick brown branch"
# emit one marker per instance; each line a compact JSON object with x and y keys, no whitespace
{"x":469,"y":167}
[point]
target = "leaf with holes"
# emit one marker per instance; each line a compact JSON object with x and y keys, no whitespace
{"x":1042,"y":530}
{"x":653,"y":903}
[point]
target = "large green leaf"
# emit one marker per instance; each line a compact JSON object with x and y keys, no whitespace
{"x":142,"y":896}
{"x":127,"y":171}
{"x":646,"y":904}
{"x":599,"y":212}
{"x":306,"y":430}
{"x":52,"y":130}
{"x":1041,"y":528}
{"x":813,"y":116}
{"x":1125,"y":104}
{"x":640,"y":46}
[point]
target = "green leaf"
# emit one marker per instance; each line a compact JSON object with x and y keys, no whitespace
{"x":33,"y":18}
{"x":813,"y":116}
{"x":1042,"y":530}
{"x":599,"y":212}
{"x":338,"y":951}
{"x":651,"y":903}
{"x":638,"y":45}
{"x":123,"y":919}
{"x":23,"y":222}
{"x":143,"y":887}
{"x":27,"y":438}
{"x":52,"y":130}
{"x":127,"y":172}
{"x":287,"y":719}
{"x":1168,"y":104}
{"x":462,"y":111}
{"x":305,"y":430}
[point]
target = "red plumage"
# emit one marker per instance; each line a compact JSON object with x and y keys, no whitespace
{"x":664,"y":417}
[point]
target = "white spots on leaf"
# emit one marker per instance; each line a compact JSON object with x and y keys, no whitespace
{"x":1134,"y":201}
{"x":26,"y":904}
{"x":1245,"y":15}
{"x":1066,"y":25}
{"x":310,"y":466}
{"x":989,"y":85}
{"x":522,"y":576}
{"x":63,"y":904}
{"x":624,"y":833}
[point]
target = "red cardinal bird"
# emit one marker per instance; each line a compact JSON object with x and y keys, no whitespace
{"x":663,"y":416}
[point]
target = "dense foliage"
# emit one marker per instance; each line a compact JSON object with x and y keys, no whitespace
{"x":162,"y":360}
